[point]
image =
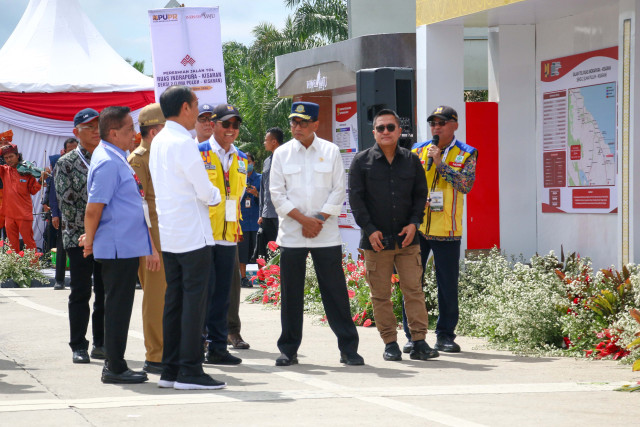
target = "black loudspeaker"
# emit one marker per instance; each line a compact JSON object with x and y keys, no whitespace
{"x":380,"y":88}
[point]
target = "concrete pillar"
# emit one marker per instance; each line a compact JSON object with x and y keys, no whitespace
{"x":628,"y":123}
{"x":439,"y":73}
{"x":512,"y":76}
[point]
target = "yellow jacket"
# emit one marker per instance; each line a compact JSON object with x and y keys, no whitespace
{"x":448,"y":222}
{"x":231,"y":188}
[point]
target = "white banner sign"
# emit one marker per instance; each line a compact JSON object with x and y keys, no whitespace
{"x":187,"y":50}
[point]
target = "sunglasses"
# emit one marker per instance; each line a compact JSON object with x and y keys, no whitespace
{"x":229,"y":124}
{"x":440,"y":123}
{"x":390,"y":127}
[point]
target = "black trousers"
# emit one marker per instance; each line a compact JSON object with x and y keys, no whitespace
{"x":185,"y":307}
{"x":223,"y":263}
{"x":119,"y":277}
{"x":327,"y":263}
{"x":81,"y":270}
{"x":269,"y":229}
{"x":61,"y":257}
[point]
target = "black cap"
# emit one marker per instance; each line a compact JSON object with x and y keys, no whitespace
{"x":444,"y":112}
{"x":84,"y":116}
{"x":224,"y":112}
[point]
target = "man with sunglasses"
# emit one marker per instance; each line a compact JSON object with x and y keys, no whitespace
{"x":71,"y":191}
{"x":308,"y":190}
{"x":227,"y":170}
{"x":450,"y":175}
{"x":204,"y":129}
{"x":387,"y":193}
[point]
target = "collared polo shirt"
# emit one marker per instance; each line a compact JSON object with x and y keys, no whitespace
{"x":122,"y":231}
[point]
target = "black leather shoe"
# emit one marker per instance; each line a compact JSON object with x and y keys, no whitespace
{"x":126,"y":377}
{"x":246,"y":283}
{"x":237,"y":342}
{"x":446,"y":344}
{"x":218,"y":356}
{"x":98,"y":353}
{"x":407,"y":347}
{"x":58,"y":286}
{"x":392,"y":352}
{"x":353,"y":359}
{"x":284,"y":360}
{"x":422,"y":351}
{"x":81,"y":356}
{"x":152,"y":367}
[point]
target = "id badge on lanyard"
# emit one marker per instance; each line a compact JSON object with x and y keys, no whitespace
{"x":230,"y":210}
{"x":145,"y":205}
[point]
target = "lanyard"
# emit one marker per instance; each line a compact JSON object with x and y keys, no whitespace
{"x":121,"y":157}
{"x":145,"y":205}
{"x":82,"y":157}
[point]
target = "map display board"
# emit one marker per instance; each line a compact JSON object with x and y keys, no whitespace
{"x":579,"y":149}
{"x":345,"y":136}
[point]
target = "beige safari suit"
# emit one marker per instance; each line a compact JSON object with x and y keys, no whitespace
{"x":154,"y":284}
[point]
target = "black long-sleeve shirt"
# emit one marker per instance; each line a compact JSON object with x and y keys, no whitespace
{"x":386,"y":197}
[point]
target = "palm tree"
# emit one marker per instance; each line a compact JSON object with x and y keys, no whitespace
{"x":250,"y":71}
{"x":324,"y":18}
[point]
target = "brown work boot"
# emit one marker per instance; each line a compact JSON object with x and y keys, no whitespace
{"x":237,"y":342}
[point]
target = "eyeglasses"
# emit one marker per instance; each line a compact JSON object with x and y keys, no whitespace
{"x":227,"y":124}
{"x":204,"y":119}
{"x":390,"y":127}
{"x":440,"y":123}
{"x":302,"y":123}
{"x":89,"y":128}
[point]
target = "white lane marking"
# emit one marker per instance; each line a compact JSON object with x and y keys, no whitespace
{"x":372,"y":395}
{"x":43,"y":308}
{"x":30,"y":304}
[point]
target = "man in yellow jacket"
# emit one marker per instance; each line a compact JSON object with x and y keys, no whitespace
{"x":450,"y":167}
{"x":227,"y":170}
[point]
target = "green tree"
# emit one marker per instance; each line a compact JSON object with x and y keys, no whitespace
{"x":138,"y":65}
{"x":250,"y":71}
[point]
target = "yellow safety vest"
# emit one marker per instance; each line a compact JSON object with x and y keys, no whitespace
{"x":448,"y":222}
{"x":231,"y":188}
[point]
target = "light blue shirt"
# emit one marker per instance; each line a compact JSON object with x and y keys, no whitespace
{"x":122,"y":232}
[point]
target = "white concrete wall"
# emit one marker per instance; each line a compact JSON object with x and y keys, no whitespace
{"x":592,"y":235}
{"x":512,"y":58}
{"x":381,"y":16}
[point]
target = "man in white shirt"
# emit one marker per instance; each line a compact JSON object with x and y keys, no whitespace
{"x":183,"y":197}
{"x":308,"y":190}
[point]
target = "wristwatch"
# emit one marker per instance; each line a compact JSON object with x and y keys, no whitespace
{"x":319,"y":216}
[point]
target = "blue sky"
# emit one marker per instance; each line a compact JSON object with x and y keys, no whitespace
{"x":128,"y":33}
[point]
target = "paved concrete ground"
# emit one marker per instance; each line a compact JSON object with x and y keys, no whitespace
{"x":40,"y":386}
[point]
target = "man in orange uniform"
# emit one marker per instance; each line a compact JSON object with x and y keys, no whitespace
{"x":5,"y":139}
{"x":17,"y":204}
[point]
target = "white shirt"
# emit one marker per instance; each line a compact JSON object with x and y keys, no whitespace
{"x":183,"y":190}
{"x":313,"y":181}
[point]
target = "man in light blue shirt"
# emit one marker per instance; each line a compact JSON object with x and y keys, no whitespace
{"x":116,"y":235}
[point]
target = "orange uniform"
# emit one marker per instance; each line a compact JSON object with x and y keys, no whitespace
{"x":17,"y":206}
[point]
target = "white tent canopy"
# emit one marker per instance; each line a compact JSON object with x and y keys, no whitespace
{"x":55,"y":63}
{"x":56,"y":48}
